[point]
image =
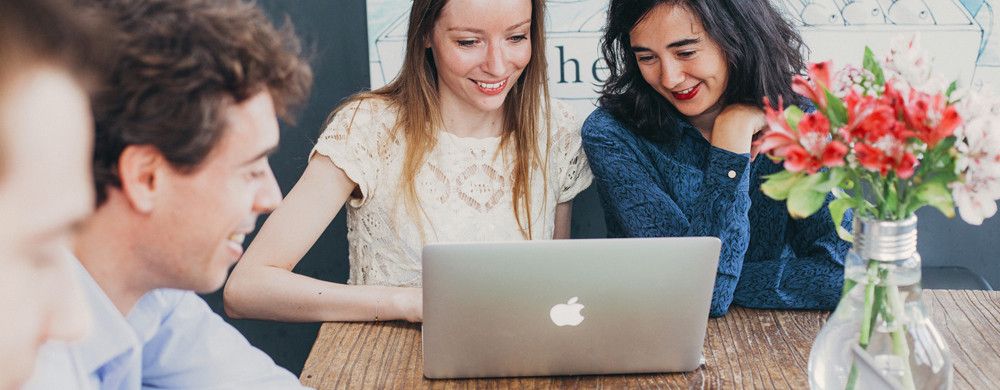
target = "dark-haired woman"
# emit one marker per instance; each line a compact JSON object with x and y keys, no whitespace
{"x":671,"y":146}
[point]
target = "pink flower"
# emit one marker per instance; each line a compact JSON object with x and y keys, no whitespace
{"x":814,"y":88}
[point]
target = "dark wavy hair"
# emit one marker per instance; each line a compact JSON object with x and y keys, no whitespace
{"x":178,"y":65}
{"x":762,"y":49}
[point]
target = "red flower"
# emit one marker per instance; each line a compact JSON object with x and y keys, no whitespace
{"x":872,"y":118}
{"x":887,"y":154}
{"x":880,"y":119}
{"x":798,"y":160}
{"x":807,"y":148}
{"x":814,"y":88}
{"x":833,"y":154}
{"x":930,"y":116}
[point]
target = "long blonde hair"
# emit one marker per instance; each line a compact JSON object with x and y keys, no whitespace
{"x":414,"y":94}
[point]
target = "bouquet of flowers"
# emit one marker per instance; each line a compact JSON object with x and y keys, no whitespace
{"x":886,"y":139}
{"x":886,"y":142}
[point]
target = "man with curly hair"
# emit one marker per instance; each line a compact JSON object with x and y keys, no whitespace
{"x":185,"y":120}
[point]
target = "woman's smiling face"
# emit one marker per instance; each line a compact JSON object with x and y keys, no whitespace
{"x":678,"y":58}
{"x":480,"y":49}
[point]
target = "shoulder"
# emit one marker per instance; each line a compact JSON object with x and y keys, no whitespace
{"x":363,"y":112}
{"x":601,"y":118}
{"x":562,"y":113}
{"x":602,"y":126}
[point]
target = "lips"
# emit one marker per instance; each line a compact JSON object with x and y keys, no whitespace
{"x":687,"y":94}
{"x":491,"y":87}
{"x":234,"y":242}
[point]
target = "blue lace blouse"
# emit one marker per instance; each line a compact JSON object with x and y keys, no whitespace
{"x":690,"y":188}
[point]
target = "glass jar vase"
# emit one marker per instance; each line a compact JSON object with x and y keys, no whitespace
{"x":880,"y":335}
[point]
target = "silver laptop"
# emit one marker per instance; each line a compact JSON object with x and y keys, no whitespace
{"x":566,"y":307}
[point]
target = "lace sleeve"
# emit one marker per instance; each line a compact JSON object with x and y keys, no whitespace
{"x":571,"y":168}
{"x":355,"y":140}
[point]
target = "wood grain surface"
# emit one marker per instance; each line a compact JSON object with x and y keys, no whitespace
{"x":746,"y":349}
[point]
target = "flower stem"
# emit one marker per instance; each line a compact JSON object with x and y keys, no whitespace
{"x":895,"y":316}
{"x":852,"y":379}
{"x":868,"y":320}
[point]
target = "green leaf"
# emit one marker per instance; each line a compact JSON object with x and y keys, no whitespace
{"x":830,"y":179}
{"x":937,"y":195}
{"x":793,"y":115}
{"x":836,"y":111}
{"x":803,"y":199}
{"x":779,"y":184}
{"x":839,"y":207}
{"x":945,"y":144}
{"x":951,"y":89}
{"x":891,"y":196}
{"x":872,"y":65}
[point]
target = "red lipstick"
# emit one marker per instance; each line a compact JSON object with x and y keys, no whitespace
{"x":687,"y":96}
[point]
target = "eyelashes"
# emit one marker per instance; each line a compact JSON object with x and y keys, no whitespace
{"x":474,"y":42}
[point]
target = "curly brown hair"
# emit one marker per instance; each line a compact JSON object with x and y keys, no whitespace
{"x":178,"y":65}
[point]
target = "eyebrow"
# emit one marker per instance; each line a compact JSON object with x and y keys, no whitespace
{"x":481,"y":31}
{"x":675,"y":44}
{"x":261,"y":155}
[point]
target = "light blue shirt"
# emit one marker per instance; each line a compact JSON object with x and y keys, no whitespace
{"x":170,"y":340}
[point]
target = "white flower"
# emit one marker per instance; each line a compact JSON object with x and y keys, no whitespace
{"x":909,"y":62}
{"x":976,"y":103}
{"x":978,"y":160}
{"x":979,"y":146}
{"x":850,"y":78}
{"x":974,"y":204}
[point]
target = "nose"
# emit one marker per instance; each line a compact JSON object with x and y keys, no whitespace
{"x":495,"y":62}
{"x":268,"y":196}
{"x":68,"y":316}
{"x":670,"y":74}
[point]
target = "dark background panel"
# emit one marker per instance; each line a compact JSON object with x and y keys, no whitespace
{"x":334,"y":32}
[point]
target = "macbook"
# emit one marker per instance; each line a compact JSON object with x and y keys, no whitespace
{"x":566,"y":307}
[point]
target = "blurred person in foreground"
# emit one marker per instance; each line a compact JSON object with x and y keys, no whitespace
{"x":46,"y":135}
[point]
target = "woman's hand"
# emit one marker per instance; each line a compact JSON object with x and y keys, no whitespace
{"x":736,"y":126}
{"x":408,"y":303}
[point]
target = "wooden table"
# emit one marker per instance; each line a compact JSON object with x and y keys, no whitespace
{"x":745,"y":349}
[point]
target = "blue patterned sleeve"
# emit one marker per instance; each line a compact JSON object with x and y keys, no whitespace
{"x":811,"y":277}
{"x":636,"y":204}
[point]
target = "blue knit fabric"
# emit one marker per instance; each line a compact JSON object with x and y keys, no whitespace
{"x":684,"y":188}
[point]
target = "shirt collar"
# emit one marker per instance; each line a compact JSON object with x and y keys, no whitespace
{"x":111,"y":336}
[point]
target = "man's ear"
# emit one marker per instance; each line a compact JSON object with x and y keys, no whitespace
{"x":138,"y":170}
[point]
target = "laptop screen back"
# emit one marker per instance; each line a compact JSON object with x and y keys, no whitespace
{"x":566,"y":307}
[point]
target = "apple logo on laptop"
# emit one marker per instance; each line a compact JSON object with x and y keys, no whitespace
{"x":568,"y":313}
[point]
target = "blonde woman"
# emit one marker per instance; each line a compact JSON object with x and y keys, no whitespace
{"x":464,"y":145}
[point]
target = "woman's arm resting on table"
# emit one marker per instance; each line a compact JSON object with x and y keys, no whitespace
{"x":263,"y":285}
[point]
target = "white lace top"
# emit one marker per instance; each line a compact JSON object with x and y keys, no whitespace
{"x":465,"y":192}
